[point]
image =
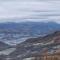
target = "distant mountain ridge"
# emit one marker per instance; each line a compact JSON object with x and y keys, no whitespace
{"x":29,"y":28}
{"x":19,"y":32}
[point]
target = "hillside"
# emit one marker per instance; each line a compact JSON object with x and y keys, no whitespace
{"x":3,"y":46}
{"x":38,"y":46}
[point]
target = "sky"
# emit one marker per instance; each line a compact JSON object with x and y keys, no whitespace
{"x":29,"y":10}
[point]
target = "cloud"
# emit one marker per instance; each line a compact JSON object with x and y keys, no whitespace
{"x":29,"y":10}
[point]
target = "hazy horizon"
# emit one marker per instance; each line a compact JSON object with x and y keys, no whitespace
{"x":29,"y":10}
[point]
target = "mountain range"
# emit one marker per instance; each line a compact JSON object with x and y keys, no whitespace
{"x":29,"y":28}
{"x":37,"y":46}
{"x":41,"y":38}
{"x":14,"y":33}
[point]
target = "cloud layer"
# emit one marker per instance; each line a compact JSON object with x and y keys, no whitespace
{"x":29,"y":10}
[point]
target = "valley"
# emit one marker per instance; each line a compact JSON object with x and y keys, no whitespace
{"x":26,"y":41}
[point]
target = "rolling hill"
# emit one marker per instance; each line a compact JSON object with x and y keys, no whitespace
{"x":3,"y":46}
{"x":38,"y":46}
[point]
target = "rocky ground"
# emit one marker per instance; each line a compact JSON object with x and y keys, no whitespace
{"x":32,"y":47}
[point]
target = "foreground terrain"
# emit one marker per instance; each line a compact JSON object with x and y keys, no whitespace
{"x":46,"y":47}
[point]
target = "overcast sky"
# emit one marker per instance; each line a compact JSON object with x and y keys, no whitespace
{"x":29,"y":10}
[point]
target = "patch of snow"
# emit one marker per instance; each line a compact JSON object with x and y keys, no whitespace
{"x":38,"y":44}
{"x":7,"y":51}
{"x":29,"y":58}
